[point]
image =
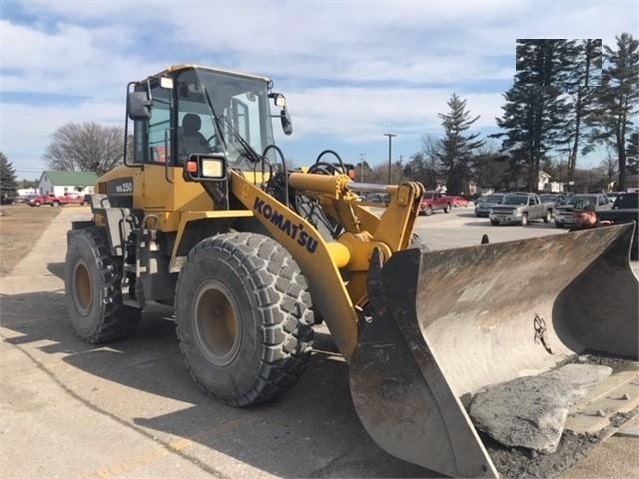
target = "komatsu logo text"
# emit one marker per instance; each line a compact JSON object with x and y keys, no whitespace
{"x":294,"y":231}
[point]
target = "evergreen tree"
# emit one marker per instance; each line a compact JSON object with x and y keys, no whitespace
{"x":535,"y":111}
{"x":582,"y":85}
{"x":457,"y":147}
{"x":8,"y":185}
{"x":618,"y":99}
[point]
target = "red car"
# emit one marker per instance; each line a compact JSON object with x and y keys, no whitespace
{"x":435,"y":201}
{"x":53,"y":200}
{"x":457,"y":200}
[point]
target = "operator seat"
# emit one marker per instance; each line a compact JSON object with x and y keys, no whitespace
{"x":191,"y":140}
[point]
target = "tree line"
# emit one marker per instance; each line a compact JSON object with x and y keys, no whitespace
{"x":567,"y":98}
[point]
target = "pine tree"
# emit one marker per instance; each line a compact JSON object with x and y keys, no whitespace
{"x":8,"y":185}
{"x":582,"y":85}
{"x":618,"y":99}
{"x":535,"y":110}
{"x":457,"y":148}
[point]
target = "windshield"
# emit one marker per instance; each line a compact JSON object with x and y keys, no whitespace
{"x":491,"y":199}
{"x":239,"y":106}
{"x":515,"y":200}
{"x":580,"y":199}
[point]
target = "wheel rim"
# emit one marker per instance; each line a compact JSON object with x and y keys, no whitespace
{"x":215,"y":324}
{"x":83,"y":288}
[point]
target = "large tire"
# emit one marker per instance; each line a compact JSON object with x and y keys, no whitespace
{"x":447,"y":208}
{"x":428,"y":211}
{"x":92,"y":289}
{"x":55,"y":203}
{"x":524,"y":219}
{"x":257,"y":337}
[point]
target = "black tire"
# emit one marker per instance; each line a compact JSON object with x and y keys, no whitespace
{"x":37,"y":204}
{"x":55,"y":204}
{"x":494,"y":223}
{"x":428,"y":211}
{"x":447,"y":208}
{"x":262,"y":303}
{"x":92,"y":289}
{"x":548,"y":217}
{"x":524,"y":219}
{"x":559,"y":225}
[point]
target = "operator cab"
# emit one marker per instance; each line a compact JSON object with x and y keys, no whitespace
{"x":188,"y":110}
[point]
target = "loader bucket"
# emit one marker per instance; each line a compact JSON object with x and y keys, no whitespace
{"x":450,"y":323}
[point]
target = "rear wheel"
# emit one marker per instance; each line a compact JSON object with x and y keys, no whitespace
{"x":428,"y":211}
{"x":93,"y":291}
{"x":55,"y":203}
{"x":548,"y":216}
{"x":524,"y":219}
{"x":447,"y":208}
{"x":244,"y":318}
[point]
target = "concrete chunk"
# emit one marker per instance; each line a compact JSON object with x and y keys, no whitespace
{"x":531,"y":411}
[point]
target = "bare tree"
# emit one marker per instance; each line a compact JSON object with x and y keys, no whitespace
{"x":608,"y":169}
{"x":85,"y":147}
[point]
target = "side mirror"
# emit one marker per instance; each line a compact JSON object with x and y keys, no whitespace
{"x":138,"y":106}
{"x":287,"y":123}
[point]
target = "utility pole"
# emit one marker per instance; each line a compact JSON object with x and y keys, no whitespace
{"x":390,"y":150}
{"x":361,"y":167}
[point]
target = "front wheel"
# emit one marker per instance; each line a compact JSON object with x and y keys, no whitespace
{"x":428,"y":211}
{"x":447,"y":208}
{"x":55,"y":204}
{"x":244,"y":318}
{"x":548,"y":216}
{"x":524,"y":220}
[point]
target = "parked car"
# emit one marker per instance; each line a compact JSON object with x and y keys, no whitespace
{"x":564,"y":217}
{"x":7,"y":200}
{"x":53,"y":200}
{"x":626,"y":201}
{"x":457,"y":200}
{"x":485,"y":203}
{"x":521,"y":208}
{"x":435,"y":201}
{"x":625,"y":210}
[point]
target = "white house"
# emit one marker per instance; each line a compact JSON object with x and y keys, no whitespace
{"x":61,"y":182}
{"x":27,"y":191}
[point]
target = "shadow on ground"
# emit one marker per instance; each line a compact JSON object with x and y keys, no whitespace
{"x":312,"y":431}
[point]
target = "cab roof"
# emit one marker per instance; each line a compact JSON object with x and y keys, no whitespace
{"x":189,"y":66}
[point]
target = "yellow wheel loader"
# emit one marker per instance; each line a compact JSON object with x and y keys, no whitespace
{"x":204,"y":215}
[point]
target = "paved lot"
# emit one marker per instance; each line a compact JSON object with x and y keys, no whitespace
{"x":130,"y":410}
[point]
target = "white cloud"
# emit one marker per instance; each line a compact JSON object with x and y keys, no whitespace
{"x":390,"y":50}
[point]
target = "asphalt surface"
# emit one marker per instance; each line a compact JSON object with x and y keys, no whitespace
{"x":130,"y":410}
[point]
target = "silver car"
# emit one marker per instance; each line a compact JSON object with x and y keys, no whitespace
{"x":563,"y":215}
{"x":485,"y":203}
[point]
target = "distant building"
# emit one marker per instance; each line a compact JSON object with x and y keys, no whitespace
{"x":27,"y":191}
{"x":61,"y":182}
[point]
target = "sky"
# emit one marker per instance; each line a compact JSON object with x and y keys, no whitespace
{"x":351,"y":70}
